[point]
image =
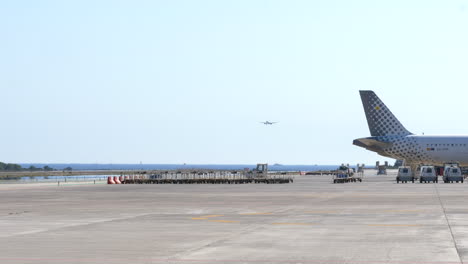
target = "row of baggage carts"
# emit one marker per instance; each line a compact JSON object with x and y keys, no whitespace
{"x":200,"y":178}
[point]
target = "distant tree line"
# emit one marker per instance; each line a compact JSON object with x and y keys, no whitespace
{"x":17,"y":167}
{"x":10,"y":167}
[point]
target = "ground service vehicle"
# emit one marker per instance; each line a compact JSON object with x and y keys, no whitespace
{"x":404,"y":175}
{"x":452,"y":174}
{"x":428,"y":174}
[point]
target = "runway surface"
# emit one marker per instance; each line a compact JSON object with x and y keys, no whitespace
{"x":308,"y":221}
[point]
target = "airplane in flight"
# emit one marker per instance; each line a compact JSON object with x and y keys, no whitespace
{"x":391,"y":139}
{"x":268,"y":123}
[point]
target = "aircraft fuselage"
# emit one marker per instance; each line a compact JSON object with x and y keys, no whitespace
{"x":434,"y":150}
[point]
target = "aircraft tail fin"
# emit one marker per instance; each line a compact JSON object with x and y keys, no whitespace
{"x":380,"y":119}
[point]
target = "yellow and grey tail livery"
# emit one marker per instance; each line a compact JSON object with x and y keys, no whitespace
{"x":380,"y":119}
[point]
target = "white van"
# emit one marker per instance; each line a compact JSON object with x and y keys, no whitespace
{"x":428,"y":174}
{"x":404,"y":174}
{"x":453,"y":174}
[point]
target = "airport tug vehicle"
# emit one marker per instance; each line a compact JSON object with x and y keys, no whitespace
{"x":345,"y":174}
{"x":428,"y":174}
{"x":452,"y":173}
{"x":261,"y":175}
{"x":405,"y":175}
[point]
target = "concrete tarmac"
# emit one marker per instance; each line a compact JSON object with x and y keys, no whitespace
{"x":308,"y":221}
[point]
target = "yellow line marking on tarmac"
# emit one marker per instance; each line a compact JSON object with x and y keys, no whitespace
{"x":321,"y":196}
{"x":321,"y":212}
{"x":293,"y":224}
{"x":257,"y":214}
{"x":199,"y":218}
{"x":403,"y":211}
{"x":317,"y":195}
{"x":384,"y":225}
{"x":223,"y":221}
{"x":209,"y":216}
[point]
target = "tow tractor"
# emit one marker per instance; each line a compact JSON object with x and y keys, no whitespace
{"x":452,"y":173}
{"x":404,"y":174}
{"x":428,"y":174}
{"x":345,"y":174}
{"x":260,"y":175}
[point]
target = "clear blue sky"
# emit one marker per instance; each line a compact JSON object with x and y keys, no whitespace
{"x":189,"y":81}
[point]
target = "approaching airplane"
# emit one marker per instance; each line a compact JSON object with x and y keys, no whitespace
{"x":390,"y":138}
{"x":268,"y":123}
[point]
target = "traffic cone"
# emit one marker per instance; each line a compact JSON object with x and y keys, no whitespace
{"x":110,"y":180}
{"x":116,"y":180}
